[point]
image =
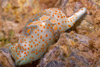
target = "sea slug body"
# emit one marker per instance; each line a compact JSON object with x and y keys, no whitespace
{"x":39,"y":33}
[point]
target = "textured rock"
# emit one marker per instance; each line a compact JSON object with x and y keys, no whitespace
{"x":55,"y":64}
{"x":47,"y":3}
{"x":64,"y":51}
{"x":85,"y":27}
{"x":14,"y":11}
{"x":74,"y":50}
{"x":5,"y":58}
{"x":97,"y":2}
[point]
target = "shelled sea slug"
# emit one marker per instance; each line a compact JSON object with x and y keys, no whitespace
{"x":40,"y":32}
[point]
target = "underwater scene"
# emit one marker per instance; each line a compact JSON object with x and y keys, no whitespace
{"x":49,"y":33}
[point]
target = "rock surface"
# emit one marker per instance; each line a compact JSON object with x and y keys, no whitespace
{"x":79,"y":47}
{"x":64,"y":52}
{"x":73,"y":50}
{"x":5,"y":58}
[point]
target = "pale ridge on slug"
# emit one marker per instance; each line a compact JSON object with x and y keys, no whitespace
{"x":40,"y":32}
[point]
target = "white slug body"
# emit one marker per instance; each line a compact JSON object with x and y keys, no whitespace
{"x":39,"y":33}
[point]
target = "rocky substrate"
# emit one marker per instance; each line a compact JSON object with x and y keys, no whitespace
{"x":78,"y":46}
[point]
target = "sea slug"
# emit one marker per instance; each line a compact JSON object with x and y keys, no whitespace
{"x":40,"y":32}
